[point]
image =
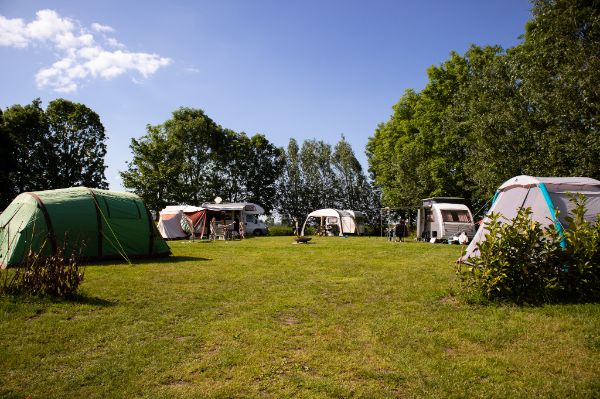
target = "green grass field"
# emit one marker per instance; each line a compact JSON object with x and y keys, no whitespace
{"x":356,"y":317}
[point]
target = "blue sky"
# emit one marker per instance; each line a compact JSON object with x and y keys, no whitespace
{"x":302,"y":69}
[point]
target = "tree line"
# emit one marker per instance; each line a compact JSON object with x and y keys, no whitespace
{"x":190,"y":159}
{"x":491,"y":114}
{"x":61,"y":146}
{"x":316,"y":175}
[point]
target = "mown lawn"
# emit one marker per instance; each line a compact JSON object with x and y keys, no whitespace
{"x":356,"y":317}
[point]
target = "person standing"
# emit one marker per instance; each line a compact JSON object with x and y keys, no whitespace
{"x":213,"y":229}
{"x":242,"y":230}
{"x":236,"y":227}
{"x":401,"y":230}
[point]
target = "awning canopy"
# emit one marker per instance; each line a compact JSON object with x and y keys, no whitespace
{"x":174,"y":209}
{"x":235,"y":206}
{"x":329,"y":212}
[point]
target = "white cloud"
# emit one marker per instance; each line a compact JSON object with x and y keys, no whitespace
{"x":102,"y":28}
{"x":81,"y":57}
{"x":12,"y":33}
{"x":48,"y":25}
{"x":112,"y":42}
{"x":67,"y":40}
{"x":109,"y":64}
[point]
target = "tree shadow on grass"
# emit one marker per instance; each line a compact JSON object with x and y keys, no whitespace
{"x":84,"y":299}
{"x":81,"y":299}
{"x":169,"y":259}
{"x":145,"y":261}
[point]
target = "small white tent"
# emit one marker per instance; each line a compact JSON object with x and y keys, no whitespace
{"x":544,"y":195}
{"x":347,"y":221}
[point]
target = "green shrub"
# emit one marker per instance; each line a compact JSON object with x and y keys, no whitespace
{"x":371,"y":230}
{"x":54,"y":276}
{"x":309,"y":230}
{"x":580,"y":276}
{"x":281,"y":231}
{"x":524,"y":263}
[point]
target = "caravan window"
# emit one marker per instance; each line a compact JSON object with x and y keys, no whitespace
{"x":460,"y":216}
{"x":331,"y":220}
{"x":252,"y":219}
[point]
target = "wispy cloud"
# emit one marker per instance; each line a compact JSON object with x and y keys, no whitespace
{"x":81,"y":55}
{"x":102,"y":28}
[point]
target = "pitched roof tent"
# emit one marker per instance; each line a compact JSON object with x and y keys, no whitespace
{"x":544,"y":195}
{"x":99,"y":224}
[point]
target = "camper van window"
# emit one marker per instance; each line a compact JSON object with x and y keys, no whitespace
{"x":459,"y":216}
{"x":251,"y":219}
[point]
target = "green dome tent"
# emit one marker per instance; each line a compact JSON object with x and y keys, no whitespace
{"x":96,"y":224}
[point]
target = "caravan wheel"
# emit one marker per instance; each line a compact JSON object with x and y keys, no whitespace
{"x":258,"y":232}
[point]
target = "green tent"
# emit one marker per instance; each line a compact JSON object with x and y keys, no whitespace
{"x":97,"y":224}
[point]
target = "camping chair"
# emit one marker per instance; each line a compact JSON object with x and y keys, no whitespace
{"x":220,"y":232}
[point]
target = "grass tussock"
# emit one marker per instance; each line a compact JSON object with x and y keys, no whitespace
{"x":56,"y":276}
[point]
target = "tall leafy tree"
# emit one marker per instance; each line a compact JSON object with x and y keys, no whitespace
{"x":490,"y":116}
{"x":315,"y":176}
{"x":78,"y":145}
{"x":315,"y":161}
{"x":291,"y":188}
{"x":414,"y":155}
{"x":264,"y":165}
{"x":62,"y":146}
{"x":252,"y":167}
{"x":190,"y":159}
{"x":28,"y":148}
{"x":534,"y":110}
{"x":349,"y":175}
{"x":155,"y":168}
{"x":8,"y":165}
{"x":354,"y":190}
{"x":559,"y":70}
{"x":200,"y":143}
{"x":396,"y":158}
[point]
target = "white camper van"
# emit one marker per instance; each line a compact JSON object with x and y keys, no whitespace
{"x":443,"y":218}
{"x":246,"y":213}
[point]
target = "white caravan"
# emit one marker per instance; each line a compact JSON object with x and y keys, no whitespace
{"x":443,"y":218}
{"x":246,"y":212}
